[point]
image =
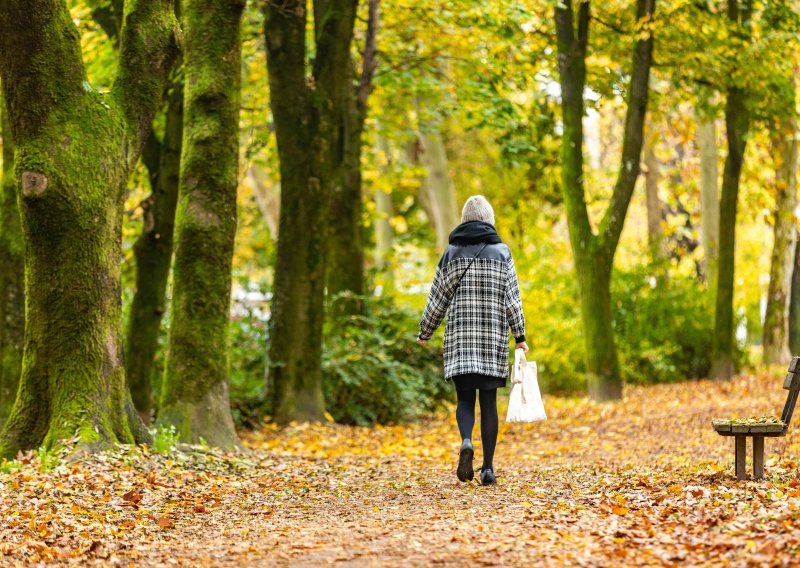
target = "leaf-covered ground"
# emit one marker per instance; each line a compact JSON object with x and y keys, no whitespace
{"x":642,"y":482}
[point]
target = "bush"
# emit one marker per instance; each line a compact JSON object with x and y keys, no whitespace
{"x":374,"y":372}
{"x":663,"y":327}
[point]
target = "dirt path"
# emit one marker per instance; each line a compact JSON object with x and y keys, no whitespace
{"x":645,"y":481}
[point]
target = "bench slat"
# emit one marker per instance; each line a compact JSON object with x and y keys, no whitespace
{"x":794,"y":366}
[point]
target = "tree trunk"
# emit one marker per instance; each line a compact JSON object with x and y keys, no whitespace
{"x":737,"y":123}
{"x":75,"y":149}
{"x":153,"y":254}
{"x":309,"y":146}
{"x":594,"y":254}
{"x":384,"y":233}
{"x":439,"y":201}
{"x":194,"y":396}
{"x":776,"y":320}
{"x":655,"y":233}
{"x":346,"y":242}
{"x":794,"y":305}
{"x":12,"y":281}
{"x":709,"y":200}
{"x":268,"y":198}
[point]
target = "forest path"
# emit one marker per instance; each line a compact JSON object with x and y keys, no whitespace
{"x":644,"y":481}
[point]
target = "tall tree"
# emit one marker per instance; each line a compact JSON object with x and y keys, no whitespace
{"x":709,"y":198}
{"x":384,"y":232}
{"x":153,"y":252}
{"x":194,"y":395}
{"x":306,"y":112}
{"x":437,"y":193}
{"x":776,"y":320}
{"x":12,"y":282}
{"x":737,"y":125}
{"x":153,"y":249}
{"x":346,"y":246}
{"x":594,"y":252}
{"x":75,"y":150}
{"x":655,"y":233}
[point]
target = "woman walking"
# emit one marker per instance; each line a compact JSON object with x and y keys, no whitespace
{"x":477,"y":281}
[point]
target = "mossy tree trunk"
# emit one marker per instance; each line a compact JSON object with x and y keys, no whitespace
{"x":153,"y":253}
{"x":194,"y":394}
{"x":75,"y":149}
{"x":12,"y":281}
{"x":594,"y":252}
{"x":776,"y":320}
{"x":153,"y":248}
{"x":737,"y":124}
{"x":346,"y":241}
{"x":307,"y":127}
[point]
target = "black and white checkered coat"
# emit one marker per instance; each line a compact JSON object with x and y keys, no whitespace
{"x":484,"y":306}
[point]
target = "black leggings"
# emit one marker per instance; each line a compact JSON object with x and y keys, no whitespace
{"x":465,"y":416}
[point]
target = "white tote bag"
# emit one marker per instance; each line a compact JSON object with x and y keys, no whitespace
{"x":525,"y":401}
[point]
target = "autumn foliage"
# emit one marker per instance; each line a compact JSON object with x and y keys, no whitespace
{"x":643,"y":482}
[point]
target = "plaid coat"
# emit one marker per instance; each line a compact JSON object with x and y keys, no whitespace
{"x":483,"y":307}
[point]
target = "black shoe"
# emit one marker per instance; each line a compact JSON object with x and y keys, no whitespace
{"x":487,"y":477}
{"x":465,"y":471}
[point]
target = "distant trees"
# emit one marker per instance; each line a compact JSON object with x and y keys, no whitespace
{"x":74,"y":151}
{"x":594,"y":252}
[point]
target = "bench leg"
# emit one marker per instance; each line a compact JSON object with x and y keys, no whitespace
{"x":758,"y":457}
{"x":740,"y":457}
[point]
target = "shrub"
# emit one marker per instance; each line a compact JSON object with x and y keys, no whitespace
{"x":374,"y":372}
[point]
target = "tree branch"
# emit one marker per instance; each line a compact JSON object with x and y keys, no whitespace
{"x":149,"y":44}
{"x":614,"y":217}
{"x":108,"y":15}
{"x":370,"y":61}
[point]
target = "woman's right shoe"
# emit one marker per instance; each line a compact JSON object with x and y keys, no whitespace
{"x":487,"y":477}
{"x":465,"y":471}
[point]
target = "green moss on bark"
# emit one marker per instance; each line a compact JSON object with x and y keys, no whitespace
{"x":194,"y":395}
{"x":594,"y":253}
{"x":153,"y":253}
{"x":307,"y":127}
{"x":75,"y":149}
{"x":12,"y":282}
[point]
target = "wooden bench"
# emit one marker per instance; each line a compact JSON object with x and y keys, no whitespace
{"x":741,"y":429}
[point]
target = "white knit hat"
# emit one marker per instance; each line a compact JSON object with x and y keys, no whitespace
{"x":477,"y":208}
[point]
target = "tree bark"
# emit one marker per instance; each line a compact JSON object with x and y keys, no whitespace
{"x":655,"y":233}
{"x":737,"y":124}
{"x":794,"y":305}
{"x":12,"y":281}
{"x":776,"y":320}
{"x":437,"y":192}
{"x":75,"y":149}
{"x":384,"y":233}
{"x":153,"y":253}
{"x":346,"y":241}
{"x":594,"y":253}
{"x":194,"y":395}
{"x":709,"y":199}
{"x":305,"y":110}
{"x":268,"y":198}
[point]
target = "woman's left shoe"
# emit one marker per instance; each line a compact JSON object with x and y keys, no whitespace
{"x":487,"y":477}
